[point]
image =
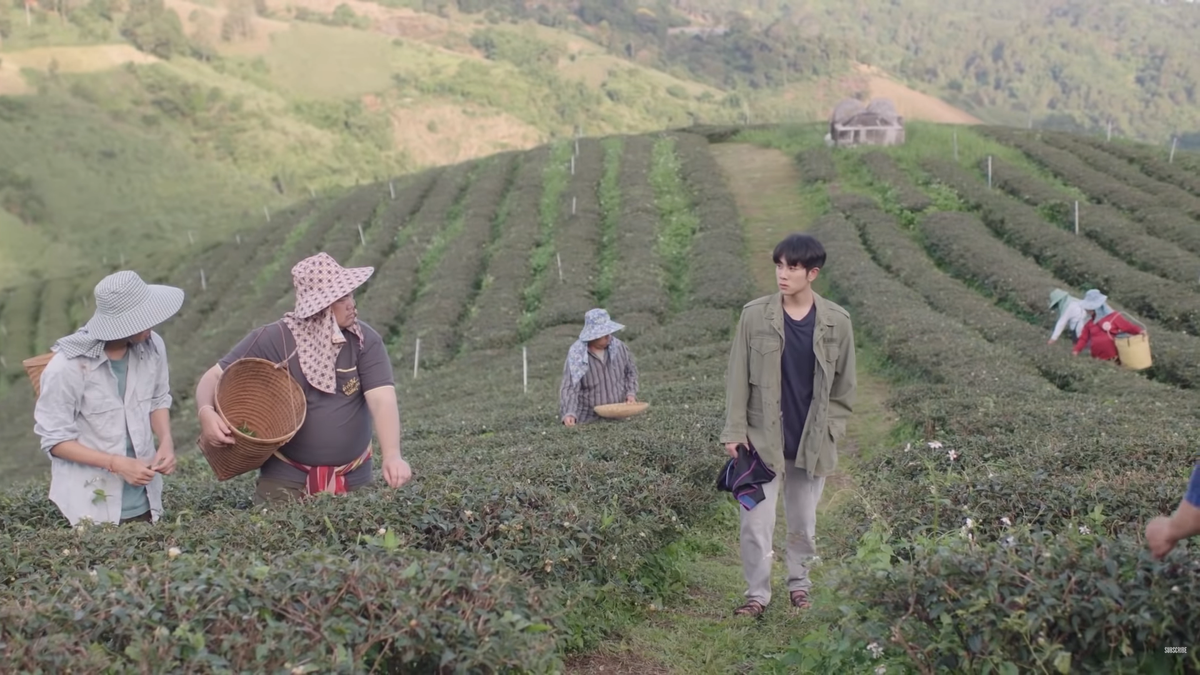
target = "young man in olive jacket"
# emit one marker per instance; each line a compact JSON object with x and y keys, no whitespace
{"x":789,"y":390}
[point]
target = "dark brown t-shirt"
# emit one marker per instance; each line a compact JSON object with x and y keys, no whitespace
{"x":337,"y":427}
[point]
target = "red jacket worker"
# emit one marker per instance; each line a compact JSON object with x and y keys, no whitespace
{"x":1102,"y":326}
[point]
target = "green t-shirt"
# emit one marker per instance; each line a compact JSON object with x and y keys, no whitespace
{"x":134,"y":501}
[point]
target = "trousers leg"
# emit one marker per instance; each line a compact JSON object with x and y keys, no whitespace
{"x":801,"y":493}
{"x":757,"y":530}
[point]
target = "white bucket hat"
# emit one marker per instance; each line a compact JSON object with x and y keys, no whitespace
{"x":1093,"y":300}
{"x":126,"y":306}
{"x":597,"y":324}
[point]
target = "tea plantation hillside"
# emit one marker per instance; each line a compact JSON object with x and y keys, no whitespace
{"x":1000,"y":531}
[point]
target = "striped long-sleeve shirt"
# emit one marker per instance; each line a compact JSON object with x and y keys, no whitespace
{"x":610,"y":378}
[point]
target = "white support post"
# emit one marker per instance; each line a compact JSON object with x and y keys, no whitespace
{"x":203,"y":280}
{"x":392,"y":187}
{"x":238,"y":237}
{"x":266,"y":213}
{"x":572,"y":165}
{"x":524,"y":369}
{"x":1077,"y":217}
{"x":191,"y":240}
{"x":989,"y":172}
{"x":558,"y":257}
{"x":416,"y":358}
{"x":1174,"y":142}
{"x":572,"y":205}
{"x":362,"y":239}
{"x":1109,"y":137}
{"x":956,"y":145}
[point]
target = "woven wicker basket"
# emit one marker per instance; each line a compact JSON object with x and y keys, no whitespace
{"x":265,"y":399}
{"x":34,"y":367}
{"x":617,"y":411}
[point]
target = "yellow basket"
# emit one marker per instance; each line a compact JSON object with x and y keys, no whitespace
{"x":1134,"y":351}
{"x":619,"y":411}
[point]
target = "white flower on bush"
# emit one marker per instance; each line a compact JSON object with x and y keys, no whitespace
{"x":92,"y":574}
{"x":952,"y":455}
{"x":382,"y":531}
{"x":468,"y":514}
{"x":881,"y":670}
{"x":1174,"y":589}
{"x":1083,"y":529}
{"x":876,"y":650}
{"x":907,"y":447}
{"x":1006,"y":522}
{"x":66,"y":551}
{"x":173,"y":552}
{"x":970,"y":524}
{"x":935,"y":445}
{"x":1008,"y":541}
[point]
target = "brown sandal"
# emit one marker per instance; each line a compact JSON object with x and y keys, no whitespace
{"x":751,"y":608}
{"x":800,"y":599}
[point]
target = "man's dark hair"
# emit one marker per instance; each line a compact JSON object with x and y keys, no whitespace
{"x":800,"y":249}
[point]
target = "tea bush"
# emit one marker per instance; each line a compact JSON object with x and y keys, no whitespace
{"x":1082,"y":263}
{"x":1112,"y":230}
{"x":1005,"y":534}
{"x":899,"y":187}
{"x":965,"y":248}
{"x":816,"y":165}
{"x":313,"y":611}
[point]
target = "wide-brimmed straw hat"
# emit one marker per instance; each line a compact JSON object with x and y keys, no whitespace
{"x":126,"y":305}
{"x":1093,"y":300}
{"x":320,"y":281}
{"x":597,"y":324}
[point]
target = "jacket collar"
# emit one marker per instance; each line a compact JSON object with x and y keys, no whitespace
{"x":774,"y":314}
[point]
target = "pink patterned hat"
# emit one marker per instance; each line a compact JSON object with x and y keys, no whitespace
{"x":320,"y":281}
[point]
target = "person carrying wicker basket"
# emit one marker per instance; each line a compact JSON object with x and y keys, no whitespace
{"x":599,"y":370}
{"x":342,"y":365}
{"x":103,"y":398}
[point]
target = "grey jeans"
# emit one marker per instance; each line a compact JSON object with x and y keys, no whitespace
{"x":801,"y":493}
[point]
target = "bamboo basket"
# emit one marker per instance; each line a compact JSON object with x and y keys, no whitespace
{"x":33,"y":368}
{"x":618,"y":411}
{"x":263,"y":398}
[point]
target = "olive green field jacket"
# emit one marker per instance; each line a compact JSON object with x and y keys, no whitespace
{"x":754,"y":389}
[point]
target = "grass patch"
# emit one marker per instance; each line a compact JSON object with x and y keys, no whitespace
{"x":555,"y":179}
{"x":610,"y":213}
{"x":678,"y":222}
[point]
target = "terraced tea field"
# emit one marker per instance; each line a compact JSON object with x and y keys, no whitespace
{"x":998,"y":531}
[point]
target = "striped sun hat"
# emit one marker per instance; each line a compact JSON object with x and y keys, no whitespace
{"x":126,"y":306}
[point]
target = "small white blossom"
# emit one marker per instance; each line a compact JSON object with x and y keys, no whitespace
{"x":1174,"y":589}
{"x":935,"y":445}
{"x":907,"y":447}
{"x":1083,"y":529}
{"x":952,"y":455}
{"x":1005,"y":521}
{"x":970,"y":523}
{"x":382,"y":531}
{"x":66,"y":551}
{"x":1008,"y":541}
{"x":468,"y":513}
{"x":641,"y":534}
{"x":92,"y":573}
{"x":881,"y":670}
{"x":173,"y":552}
{"x":876,"y":650}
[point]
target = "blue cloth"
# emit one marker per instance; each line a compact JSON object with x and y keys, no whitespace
{"x":134,"y":501}
{"x":745,"y":477}
{"x":1193,"y":490}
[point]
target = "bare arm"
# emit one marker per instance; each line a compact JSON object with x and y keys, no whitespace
{"x":385,"y":414}
{"x":206,"y":389}
{"x":213,"y":430}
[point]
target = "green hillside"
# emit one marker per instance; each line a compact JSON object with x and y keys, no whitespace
{"x":1014,"y":478}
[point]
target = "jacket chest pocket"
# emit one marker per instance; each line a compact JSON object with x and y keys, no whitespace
{"x":348,"y":382}
{"x":764,"y":353}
